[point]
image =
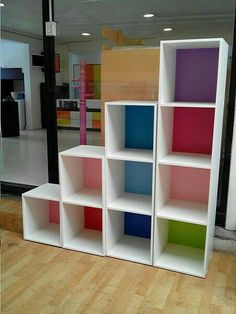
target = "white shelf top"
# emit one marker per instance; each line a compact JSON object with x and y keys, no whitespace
{"x":133,"y":154}
{"x":88,"y":241}
{"x":133,"y":203}
{"x":187,"y":160}
{"x":183,"y":259}
{"x":47,"y":191}
{"x":179,"y":210}
{"x":135,"y":249}
{"x":132,"y":103}
{"x":189,"y":104}
{"x":48,"y":234}
{"x":88,"y":151}
{"x":194,"y":43}
{"x":85,"y":197}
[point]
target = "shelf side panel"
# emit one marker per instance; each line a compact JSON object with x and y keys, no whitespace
{"x":115,"y":127}
{"x":114,"y":228}
{"x":92,"y":173}
{"x":196,"y":74}
{"x":93,"y":218}
{"x":187,"y":234}
{"x":139,"y":123}
{"x":73,"y":221}
{"x":35,"y":215}
{"x":216,"y":150}
{"x":54,"y":212}
{"x":190,"y":184}
{"x":138,"y":177}
{"x":137,"y":225}
{"x":193,"y":130}
{"x":71,"y":180}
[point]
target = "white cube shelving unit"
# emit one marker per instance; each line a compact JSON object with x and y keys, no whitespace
{"x":130,"y":176}
{"x":138,"y":200}
{"x":41,"y":221}
{"x":190,"y":116}
{"x":82,"y":181}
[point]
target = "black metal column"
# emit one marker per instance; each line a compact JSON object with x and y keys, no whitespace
{"x":221,"y":212}
{"x":50,"y":84}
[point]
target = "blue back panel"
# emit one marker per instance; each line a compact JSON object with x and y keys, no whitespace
{"x":138,"y":177}
{"x":139,"y":127}
{"x":137,"y":225}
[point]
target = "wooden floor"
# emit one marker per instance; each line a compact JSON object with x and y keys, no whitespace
{"x":11,"y":213}
{"x":38,"y":278}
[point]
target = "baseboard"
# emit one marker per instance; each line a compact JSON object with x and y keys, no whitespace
{"x":15,"y":188}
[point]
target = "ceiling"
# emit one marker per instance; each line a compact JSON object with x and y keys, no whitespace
{"x":77,"y":16}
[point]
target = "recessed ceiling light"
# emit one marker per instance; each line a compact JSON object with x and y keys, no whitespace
{"x":2,"y":5}
{"x":148,"y":15}
{"x":168,"y":29}
{"x":86,"y":34}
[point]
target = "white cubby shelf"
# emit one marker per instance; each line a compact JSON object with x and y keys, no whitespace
{"x":130,"y":186}
{"x":190,"y":116}
{"x":41,"y":217}
{"x":180,"y":246}
{"x":129,"y":236}
{"x":82,"y":229}
{"x":79,"y":184}
{"x":82,"y":179}
{"x":130,"y":130}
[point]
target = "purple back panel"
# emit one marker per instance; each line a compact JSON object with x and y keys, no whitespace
{"x":196,"y":74}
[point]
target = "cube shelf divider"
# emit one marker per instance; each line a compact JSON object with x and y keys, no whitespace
{"x":129,"y":240}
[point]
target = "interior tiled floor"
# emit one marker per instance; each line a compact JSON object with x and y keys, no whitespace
{"x":24,"y":158}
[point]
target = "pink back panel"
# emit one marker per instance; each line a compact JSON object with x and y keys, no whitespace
{"x":190,"y":184}
{"x":92,"y":173}
{"x":54,"y":212}
{"x":193,"y":130}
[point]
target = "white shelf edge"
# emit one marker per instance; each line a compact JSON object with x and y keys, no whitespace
{"x":85,"y":200}
{"x":131,"y":103}
{"x":89,"y":204}
{"x":132,"y":155}
{"x":130,"y":211}
{"x":85,"y":151}
{"x":195,"y":274}
{"x":188,"y":209}
{"x":190,"y":160}
{"x":41,"y":191}
{"x":136,"y":199}
{"x":186,"y":104}
{"x":78,"y":249}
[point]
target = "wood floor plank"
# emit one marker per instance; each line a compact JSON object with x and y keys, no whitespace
{"x":38,"y":278}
